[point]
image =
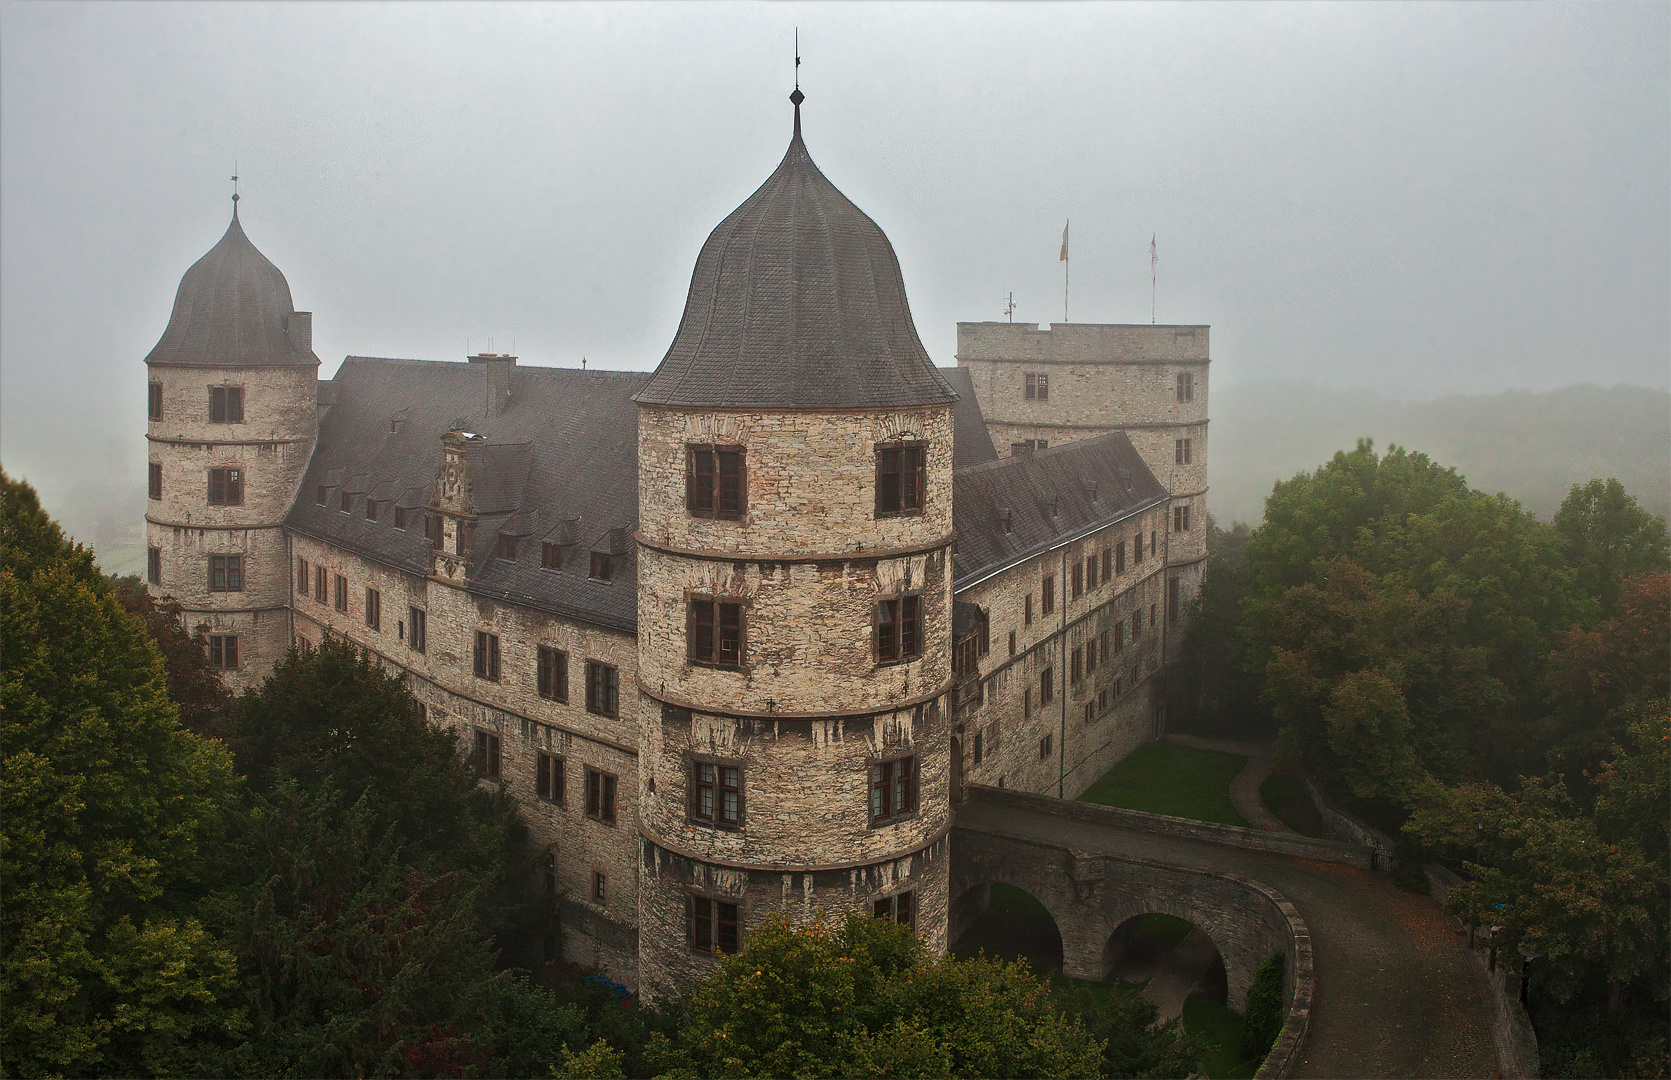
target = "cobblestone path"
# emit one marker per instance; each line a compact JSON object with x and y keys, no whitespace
{"x":1396,"y":994}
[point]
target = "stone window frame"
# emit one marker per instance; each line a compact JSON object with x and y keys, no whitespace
{"x":889,"y":907}
{"x":374,"y":609}
{"x":550,"y":780}
{"x":611,"y":685}
{"x":226,"y":485}
{"x":1047,"y":595}
{"x":1186,"y":386}
{"x":599,"y":783}
{"x":342,"y":593}
{"x":223,"y":652}
{"x":715,"y":819}
{"x":900,"y":655}
{"x":1077,"y":580}
{"x":713,"y":922}
{"x":304,"y":575}
{"x":226,"y":400}
{"x":918,"y":471}
{"x":716,"y":605}
{"x":484,"y":658}
{"x":226,"y":572}
{"x":153,"y":565}
{"x":1036,"y":386}
{"x":710,"y":486}
{"x":888,"y":783}
{"x":322,"y":582}
{"x":488,"y":750}
{"x":417,"y":620}
{"x":551,"y":673}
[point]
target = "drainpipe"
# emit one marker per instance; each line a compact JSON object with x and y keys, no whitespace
{"x":1062,"y":743}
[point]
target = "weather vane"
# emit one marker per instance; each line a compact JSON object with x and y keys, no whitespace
{"x":234,"y":183}
{"x":797,"y":58}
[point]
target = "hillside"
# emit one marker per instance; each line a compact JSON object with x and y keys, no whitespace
{"x":1532,"y":445}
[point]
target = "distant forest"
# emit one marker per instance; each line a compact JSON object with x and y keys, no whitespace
{"x":1533,"y":446}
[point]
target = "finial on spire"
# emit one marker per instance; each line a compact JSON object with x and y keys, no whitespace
{"x":797,"y":97}
{"x":234,"y":188}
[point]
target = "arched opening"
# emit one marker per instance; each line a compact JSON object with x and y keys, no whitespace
{"x":1007,"y":921}
{"x":1172,"y":959}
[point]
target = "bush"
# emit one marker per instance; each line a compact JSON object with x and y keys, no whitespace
{"x":1264,"y":1009}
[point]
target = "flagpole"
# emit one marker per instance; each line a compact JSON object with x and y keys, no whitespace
{"x":1067,"y":262}
{"x":1153,"y":261}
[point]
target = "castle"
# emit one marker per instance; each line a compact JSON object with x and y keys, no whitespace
{"x":734,"y":632}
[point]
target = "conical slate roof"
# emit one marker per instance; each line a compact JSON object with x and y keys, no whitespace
{"x":796,"y":302}
{"x":231,"y":309}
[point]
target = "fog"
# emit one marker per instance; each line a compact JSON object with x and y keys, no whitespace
{"x":1413,"y":200}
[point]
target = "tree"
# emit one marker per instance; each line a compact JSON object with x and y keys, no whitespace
{"x":1609,"y":537}
{"x":862,"y":998}
{"x":1211,"y":686}
{"x":109,"y":811}
{"x":196,"y":689}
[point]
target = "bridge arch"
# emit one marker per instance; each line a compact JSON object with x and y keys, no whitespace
{"x":1002,"y":918}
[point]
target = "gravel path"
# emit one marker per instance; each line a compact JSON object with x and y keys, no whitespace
{"x":1244,"y":788}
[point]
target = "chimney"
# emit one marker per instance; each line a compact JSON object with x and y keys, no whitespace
{"x":299,"y":329}
{"x":498,"y":367}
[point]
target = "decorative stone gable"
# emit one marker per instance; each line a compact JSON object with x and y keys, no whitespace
{"x":452,"y":510}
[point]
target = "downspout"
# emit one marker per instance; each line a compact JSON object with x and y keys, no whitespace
{"x":1062,"y":743}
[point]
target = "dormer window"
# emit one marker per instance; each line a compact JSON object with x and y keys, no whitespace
{"x":716,"y":481}
{"x":899,"y":478}
{"x":347,"y":502}
{"x":322,"y":495}
{"x":226,"y":404}
{"x":506,"y":548}
{"x":371,"y":509}
{"x":602,"y":567}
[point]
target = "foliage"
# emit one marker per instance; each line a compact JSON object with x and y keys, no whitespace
{"x":863,"y":998}
{"x":1210,"y":688}
{"x":109,"y":808}
{"x":1609,"y":538}
{"x":1264,"y":1009}
{"x":1136,"y":1042}
{"x":196,"y":688}
{"x":1220,"y":1029}
{"x":1286,"y":797}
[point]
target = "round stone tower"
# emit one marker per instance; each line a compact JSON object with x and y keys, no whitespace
{"x":233,"y":415}
{"x":794,"y":588}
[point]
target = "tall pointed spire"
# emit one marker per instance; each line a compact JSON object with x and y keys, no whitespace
{"x":797,"y":97}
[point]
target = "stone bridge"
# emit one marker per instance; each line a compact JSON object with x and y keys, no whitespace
{"x":1378,"y":983}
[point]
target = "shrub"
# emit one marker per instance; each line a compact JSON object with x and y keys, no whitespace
{"x":1264,"y":1009}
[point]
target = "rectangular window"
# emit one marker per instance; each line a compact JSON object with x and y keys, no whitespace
{"x":346,"y":504}
{"x":321,"y":494}
{"x":153,"y":401}
{"x":1077,"y":587}
{"x":487,"y":754}
{"x":1119,"y":558}
{"x":320,"y":581}
{"x":1177,"y":451}
{"x":487,"y":655}
{"x":506,"y":548}
{"x":1091,"y":656}
{"x":551,"y":673}
{"x":1119,"y":687}
{"x":1102,"y":700}
{"x":898,"y":629}
{"x":1027,"y":703}
{"x":223,"y":652}
{"x":374,"y":609}
{"x":1172,"y":599}
{"x":226,"y":404}
{"x":899,"y":479}
{"x":1038,"y":387}
{"x":1012,"y":642}
{"x":1108,"y":564}
{"x":965,"y":657}
{"x":1044,"y":748}
{"x":226,"y":573}
{"x":1186,"y":387}
{"x":1090,"y":711}
{"x":153,"y":565}
{"x":1076,"y":666}
{"x":400,"y":518}
{"x":978,"y":741}
{"x":711,"y":925}
{"x":1186,"y":451}
{"x":1027,"y":611}
{"x":1180,"y":518}
{"x":371,"y":508}
{"x":416,"y":618}
{"x":551,"y":556}
{"x":893,"y":789}
{"x":602,"y":689}
{"x":342,"y":593}
{"x":1047,"y":686}
{"x":600,"y":796}
{"x":600,"y":886}
{"x":548,"y":778}
{"x":600,"y":566}
{"x":901,"y":909}
{"x":1049,"y":603}
{"x":304,"y":575}
{"x":226,"y":487}
{"x":434,"y":531}
{"x":1120,"y":637}
{"x":716,"y":794}
{"x":1137,"y":550}
{"x":156,"y":480}
{"x":716,"y":482}
{"x":714,"y":632}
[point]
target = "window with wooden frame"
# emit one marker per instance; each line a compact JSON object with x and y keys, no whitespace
{"x":600,"y":886}
{"x":898,"y":629}
{"x":602,"y":570}
{"x":374,"y":609}
{"x":893,"y":789}
{"x":155,"y":480}
{"x":400,"y":518}
{"x":1102,"y":699}
{"x":1026,"y":703}
{"x":304,"y":576}
{"x":153,"y":401}
{"x":505,"y":548}
{"x":416,"y":620}
{"x":600,"y":796}
{"x":371,"y":508}
{"x":714,"y":632}
{"x":153,"y":565}
{"x":342,"y":594}
{"x":1047,"y":686}
{"x":226,"y":573}
{"x":1012,"y":642}
{"x":900,"y":908}
{"x":1091,"y":570}
{"x":226,"y":404}
{"x":1077,"y":586}
{"x":487,"y":754}
{"x":551,"y":556}
{"x":1180,"y":518}
{"x":1044,"y":747}
{"x":1108,"y":565}
{"x":716,"y":481}
{"x":1186,"y":386}
{"x":1119,"y":687}
{"x":1038,"y":387}
{"x":1049,"y":600}
{"x":1137,"y":550}
{"x":1090,"y":711}
{"x":223,"y":652}
{"x":965,"y":657}
{"x":548,"y":778}
{"x":1120,"y":637}
{"x":1091,"y":657}
{"x":435,"y":531}
{"x":602,"y":689}
{"x":716,"y":794}
{"x":321,"y":494}
{"x":899,"y":478}
{"x":551,"y":673}
{"x":711,"y":926}
{"x":1027,"y":611}
{"x":978,"y":741}
{"x":226,"y":487}
{"x":1153,"y":545}
{"x":1104,"y":641}
{"x":984,"y":630}
{"x":1120,"y":557}
{"x":487,"y":656}
{"x":346,"y":503}
{"x":321,"y":579}
{"x":1076,"y":666}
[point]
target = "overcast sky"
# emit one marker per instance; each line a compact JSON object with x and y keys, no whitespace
{"x":1418,"y":199}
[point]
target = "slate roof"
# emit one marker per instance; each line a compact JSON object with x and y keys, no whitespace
{"x":971,"y":440}
{"x":566,"y":448}
{"x":231,"y":308}
{"x":796,"y":302}
{"x":1050,"y":496}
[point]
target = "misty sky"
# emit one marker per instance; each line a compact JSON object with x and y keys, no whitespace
{"x":1416,"y":199}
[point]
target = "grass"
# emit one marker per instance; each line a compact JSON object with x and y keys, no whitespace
{"x":1222,"y":1029}
{"x":1284,"y":796}
{"x":1180,"y":781}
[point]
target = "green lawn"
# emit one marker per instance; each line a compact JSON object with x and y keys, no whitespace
{"x":1222,"y":1029}
{"x":1284,"y":796}
{"x":1163,"y":778}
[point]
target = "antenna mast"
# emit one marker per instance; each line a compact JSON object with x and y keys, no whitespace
{"x":1009,"y":308}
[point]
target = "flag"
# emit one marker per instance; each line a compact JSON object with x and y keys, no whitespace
{"x":1064,"y":256}
{"x":1154,"y":255}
